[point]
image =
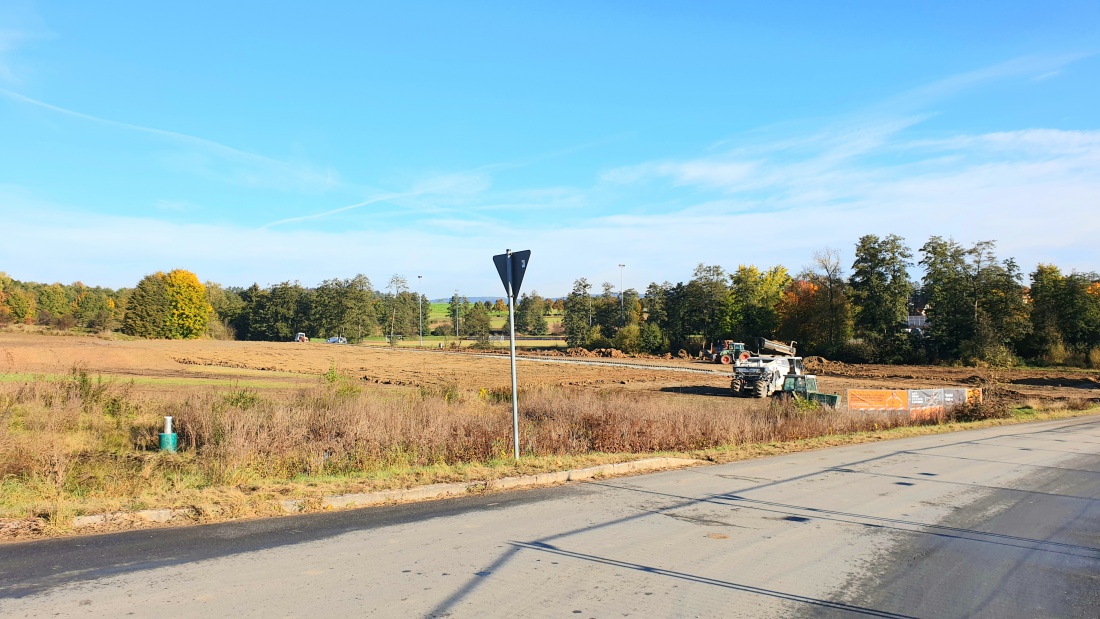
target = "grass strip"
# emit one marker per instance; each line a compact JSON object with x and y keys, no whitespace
{"x":262,"y":498}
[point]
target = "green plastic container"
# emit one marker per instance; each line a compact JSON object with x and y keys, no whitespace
{"x":169,"y":442}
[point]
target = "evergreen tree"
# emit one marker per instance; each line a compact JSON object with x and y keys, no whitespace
{"x":576,"y":320}
{"x":879,"y":286}
{"x":147,"y":308}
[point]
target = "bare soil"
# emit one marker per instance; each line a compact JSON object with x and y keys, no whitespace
{"x":287,"y":364}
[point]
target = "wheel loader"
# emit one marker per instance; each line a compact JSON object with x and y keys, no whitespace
{"x":761,"y":376}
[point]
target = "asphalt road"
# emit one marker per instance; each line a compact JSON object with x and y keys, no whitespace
{"x":1002,"y":522}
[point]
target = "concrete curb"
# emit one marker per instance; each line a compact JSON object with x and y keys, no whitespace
{"x":421,"y":493}
{"x":440,"y":491}
{"x":156,"y":516}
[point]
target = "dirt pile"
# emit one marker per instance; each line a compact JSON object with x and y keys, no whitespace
{"x":578,"y":352}
{"x":821,"y":365}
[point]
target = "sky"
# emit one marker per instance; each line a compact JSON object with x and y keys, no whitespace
{"x":277,"y":141}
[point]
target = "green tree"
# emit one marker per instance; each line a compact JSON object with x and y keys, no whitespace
{"x":706,"y":302}
{"x":976,"y":305}
{"x":53,"y":301}
{"x":278,"y":313}
{"x":755,"y":296}
{"x":531,"y":314}
{"x":629,"y":339}
{"x":358,"y":307}
{"x":95,"y":309}
{"x":147,"y":308}
{"x":652,"y":340}
{"x":879,"y":286}
{"x":476,"y":323}
{"x":577,"y":317}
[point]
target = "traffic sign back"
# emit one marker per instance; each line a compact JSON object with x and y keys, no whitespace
{"x":519,"y":260}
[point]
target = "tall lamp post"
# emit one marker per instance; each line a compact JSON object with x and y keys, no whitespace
{"x":622,"y":306}
{"x":420,"y":306}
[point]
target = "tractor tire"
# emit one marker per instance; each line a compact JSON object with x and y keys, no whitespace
{"x":726,"y":359}
{"x":760,"y":389}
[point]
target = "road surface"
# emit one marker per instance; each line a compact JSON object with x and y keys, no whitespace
{"x":1002,"y":522}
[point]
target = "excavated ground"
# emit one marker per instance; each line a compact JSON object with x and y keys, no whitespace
{"x":177,"y":364}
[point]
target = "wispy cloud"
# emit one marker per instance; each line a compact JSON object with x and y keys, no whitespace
{"x":1039,"y":66}
{"x":249,"y":168}
{"x":443,"y":188}
{"x":372,"y":200}
{"x":1035,"y":190}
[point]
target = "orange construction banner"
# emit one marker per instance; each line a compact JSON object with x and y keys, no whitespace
{"x":878,"y":399}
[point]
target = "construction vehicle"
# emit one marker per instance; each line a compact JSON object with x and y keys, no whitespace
{"x":726,"y":352}
{"x":301,"y":338}
{"x":804,"y":387}
{"x":764,"y":345}
{"x":763,"y":375}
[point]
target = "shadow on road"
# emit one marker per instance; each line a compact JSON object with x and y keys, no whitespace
{"x":794,"y":513}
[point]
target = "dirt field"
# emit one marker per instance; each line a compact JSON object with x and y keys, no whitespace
{"x":179,"y":364}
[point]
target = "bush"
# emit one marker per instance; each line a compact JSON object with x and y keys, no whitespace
{"x":220,"y":330}
{"x":857,"y":351}
{"x":63,"y":323}
{"x":629,"y":339}
{"x":1094,"y":358}
{"x":991,"y":408}
{"x":652,"y":340}
{"x":1056,"y":353}
{"x":596,"y":339}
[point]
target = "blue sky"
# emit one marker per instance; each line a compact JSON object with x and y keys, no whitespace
{"x":262,"y":142}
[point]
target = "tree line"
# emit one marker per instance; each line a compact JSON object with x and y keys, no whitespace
{"x":175,"y":305}
{"x":976,"y":306}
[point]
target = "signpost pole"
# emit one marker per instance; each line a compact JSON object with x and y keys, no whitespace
{"x":512,"y":355}
{"x":511,"y":268}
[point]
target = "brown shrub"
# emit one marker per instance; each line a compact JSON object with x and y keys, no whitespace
{"x":92,"y":435}
{"x":989,"y":408}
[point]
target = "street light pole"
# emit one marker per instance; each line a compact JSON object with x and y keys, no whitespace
{"x":622,"y":306}
{"x":420,"y":306}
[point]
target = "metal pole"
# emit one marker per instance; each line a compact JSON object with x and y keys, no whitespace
{"x":622,"y":306}
{"x":420,"y":306}
{"x":512,"y":350}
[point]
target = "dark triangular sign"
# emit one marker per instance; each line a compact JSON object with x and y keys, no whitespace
{"x":519,"y":267}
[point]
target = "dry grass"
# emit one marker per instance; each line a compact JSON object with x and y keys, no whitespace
{"x":80,"y":444}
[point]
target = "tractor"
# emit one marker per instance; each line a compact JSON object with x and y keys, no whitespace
{"x":804,"y":387}
{"x":726,"y":352}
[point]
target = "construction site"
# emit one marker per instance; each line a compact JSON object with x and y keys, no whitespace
{"x":183,"y":365}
